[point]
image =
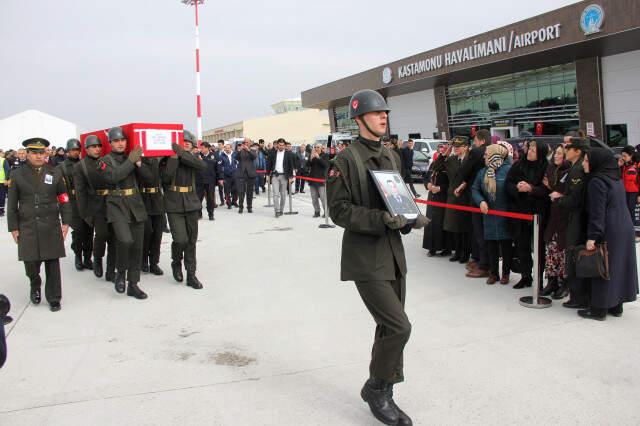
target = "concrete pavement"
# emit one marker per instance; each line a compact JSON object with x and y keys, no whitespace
{"x":275,"y":338}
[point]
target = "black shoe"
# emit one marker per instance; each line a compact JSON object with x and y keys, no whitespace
{"x":144,"y":267}
{"x":403,"y":418}
{"x":593,"y":313}
{"x":193,"y":281}
{"x":120,"y":281}
{"x":176,"y":268}
{"x":78,"y":263}
{"x":249,"y":210}
{"x":551,"y":287}
{"x":316,"y":214}
{"x":464,"y":260}
{"x":570,"y":304}
{"x":6,"y":320}
{"x":445,"y":253}
{"x":376,"y":393}
{"x":523,"y":283}
{"x":97,"y":267}
{"x":454,"y":258}
{"x":110,"y":276}
{"x":134,"y":291}
{"x":54,"y":306}
{"x":155,"y":270}
{"x":229,"y":206}
{"x":562,"y":291}
{"x":616,"y":311}
{"x":87,"y":262}
{"x":36,"y":296}
{"x":302,"y":192}
{"x":211,"y":217}
{"x":240,"y":210}
{"x":235,"y":205}
{"x":431,"y":253}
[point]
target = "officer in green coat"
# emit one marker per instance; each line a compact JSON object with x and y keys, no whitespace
{"x":372,"y":251}
{"x":182,"y":205}
{"x":38,"y":199}
{"x":91,"y":198}
{"x":125,"y":210}
{"x":82,"y":233}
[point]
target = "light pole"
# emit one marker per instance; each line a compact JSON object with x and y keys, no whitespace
{"x":198,"y":102}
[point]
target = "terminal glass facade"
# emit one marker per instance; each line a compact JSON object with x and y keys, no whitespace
{"x":546,"y":95}
{"x":343,"y":123}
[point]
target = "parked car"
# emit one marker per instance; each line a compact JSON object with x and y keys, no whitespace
{"x":421,"y":163}
{"x":427,"y":146}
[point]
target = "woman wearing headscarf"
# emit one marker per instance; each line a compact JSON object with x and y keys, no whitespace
{"x":489,"y":193}
{"x":528,"y":195}
{"x":555,"y":236}
{"x":437,"y":183}
{"x":608,"y":221}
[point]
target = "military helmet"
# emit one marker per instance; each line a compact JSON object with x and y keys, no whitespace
{"x":116,"y":133}
{"x":366,"y":101}
{"x":188,"y":137}
{"x":73,"y":144}
{"x":91,"y":140}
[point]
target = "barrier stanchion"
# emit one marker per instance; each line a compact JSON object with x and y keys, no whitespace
{"x":535,"y":301}
{"x":269,"y":198}
{"x":290,"y":212}
{"x":326,"y":223}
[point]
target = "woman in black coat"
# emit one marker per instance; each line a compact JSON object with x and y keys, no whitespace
{"x":609,"y":221}
{"x":437,"y":183}
{"x":528,"y":194}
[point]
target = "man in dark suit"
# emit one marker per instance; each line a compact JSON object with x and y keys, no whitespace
{"x":281,"y":168}
{"x":207,"y":180}
{"x":245,"y":175}
{"x":400,"y":204}
{"x":228,"y":164}
{"x":406,"y":155}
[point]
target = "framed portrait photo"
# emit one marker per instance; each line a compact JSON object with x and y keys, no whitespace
{"x":395,"y":194}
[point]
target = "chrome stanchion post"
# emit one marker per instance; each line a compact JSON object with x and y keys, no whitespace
{"x":290,"y":212}
{"x":269,"y":204}
{"x":535,"y":301}
{"x":326,"y":223}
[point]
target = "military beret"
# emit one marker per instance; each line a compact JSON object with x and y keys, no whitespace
{"x":460,"y":141}
{"x":36,"y":144}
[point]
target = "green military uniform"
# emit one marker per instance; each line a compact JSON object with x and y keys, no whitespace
{"x":154,"y":226}
{"x":91,"y":197}
{"x":126,"y":214}
{"x":372,"y":253}
{"x":183,"y":206}
{"x":82,"y":233}
{"x":37,"y":200}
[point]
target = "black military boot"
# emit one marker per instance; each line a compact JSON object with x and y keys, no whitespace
{"x":377,"y":394}
{"x":97,"y":267}
{"x":36,"y":296}
{"x":551,"y":287}
{"x":110,"y":276}
{"x":176,"y":268}
{"x":78,"y":262}
{"x":87,"y":261}
{"x":134,"y":291}
{"x":403,"y":418}
{"x":193,"y":281}
{"x":155,"y":269}
{"x":120,"y":281}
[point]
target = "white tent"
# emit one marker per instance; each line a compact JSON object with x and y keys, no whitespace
{"x":33,"y":123}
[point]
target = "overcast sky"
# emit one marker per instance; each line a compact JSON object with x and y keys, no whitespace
{"x":102,"y":63}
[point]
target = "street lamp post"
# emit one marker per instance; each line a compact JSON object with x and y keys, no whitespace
{"x":198,"y":101}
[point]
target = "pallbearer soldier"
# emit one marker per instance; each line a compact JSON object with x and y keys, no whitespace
{"x":182,"y":205}
{"x":91,"y":197}
{"x":154,"y":226}
{"x":372,"y":251}
{"x":37,"y":200}
{"x":125,"y":211}
{"x":82,"y":233}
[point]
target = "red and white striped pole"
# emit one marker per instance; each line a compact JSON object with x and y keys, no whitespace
{"x":198,"y":98}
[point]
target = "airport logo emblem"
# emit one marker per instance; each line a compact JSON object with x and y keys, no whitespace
{"x":387,"y":75}
{"x":592,"y":19}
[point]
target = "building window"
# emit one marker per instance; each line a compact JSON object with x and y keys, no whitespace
{"x":617,"y":135}
{"x":342,"y":121}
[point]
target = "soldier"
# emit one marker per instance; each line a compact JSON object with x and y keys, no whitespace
{"x":91,"y":197}
{"x":154,"y":226}
{"x":182,"y":205}
{"x":372,"y":251}
{"x":125,"y":210}
{"x":82,"y":233}
{"x":37,"y":200}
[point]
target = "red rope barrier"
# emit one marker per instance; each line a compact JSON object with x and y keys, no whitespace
{"x":521,"y":216}
{"x":310,"y":179}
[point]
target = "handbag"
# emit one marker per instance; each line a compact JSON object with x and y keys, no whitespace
{"x":591,"y":263}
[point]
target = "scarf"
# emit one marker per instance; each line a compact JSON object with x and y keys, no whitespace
{"x":495,"y":156}
{"x":603,"y":164}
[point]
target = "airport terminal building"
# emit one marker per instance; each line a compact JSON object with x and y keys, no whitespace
{"x":574,"y":67}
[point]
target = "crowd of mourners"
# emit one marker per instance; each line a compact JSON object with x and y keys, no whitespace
{"x":584,"y":196}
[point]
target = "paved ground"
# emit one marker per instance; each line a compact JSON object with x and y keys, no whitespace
{"x":275,"y":338}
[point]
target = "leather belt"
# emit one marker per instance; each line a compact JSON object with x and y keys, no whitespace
{"x":123,"y":192}
{"x":181,"y":188}
{"x":102,"y":192}
{"x":150,"y":190}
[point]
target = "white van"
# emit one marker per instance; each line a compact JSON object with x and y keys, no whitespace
{"x":332,"y":140}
